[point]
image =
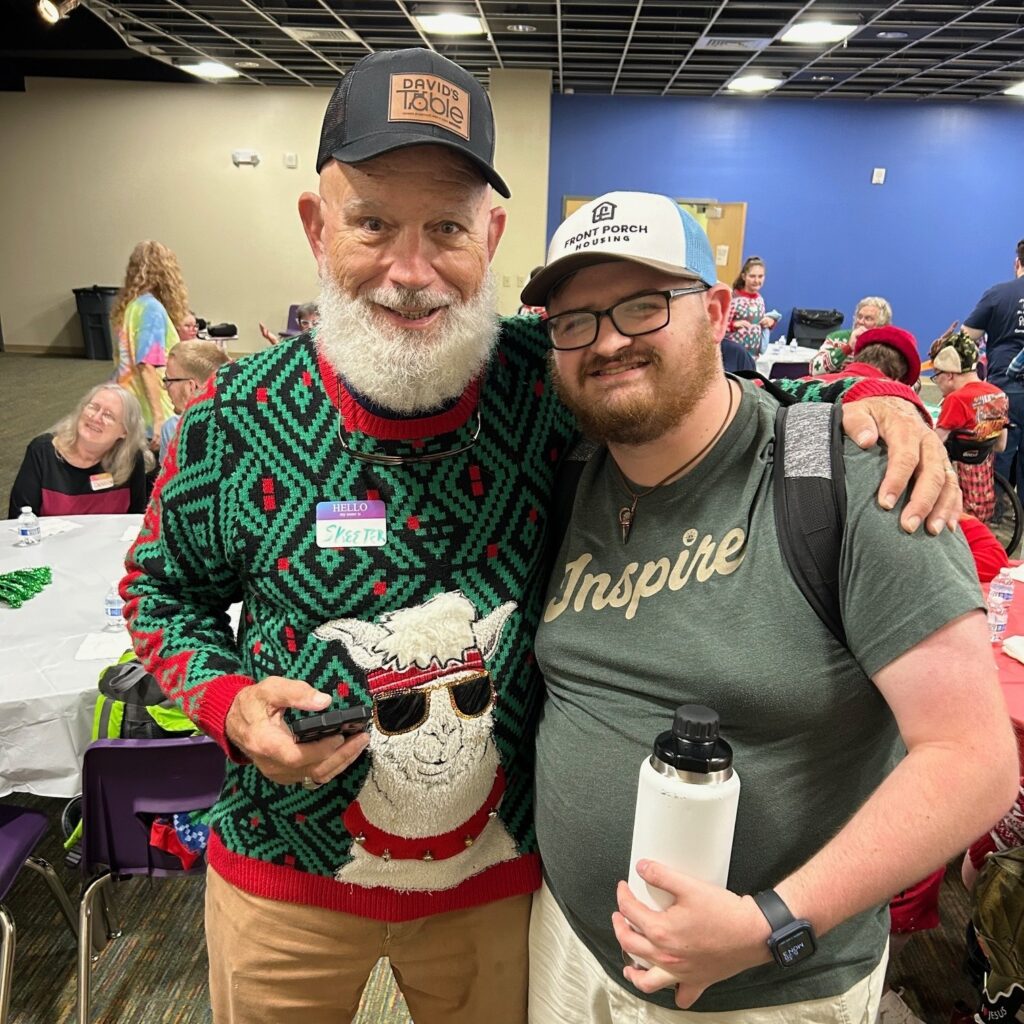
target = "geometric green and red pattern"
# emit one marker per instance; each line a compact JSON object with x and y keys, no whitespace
{"x":233,"y":519}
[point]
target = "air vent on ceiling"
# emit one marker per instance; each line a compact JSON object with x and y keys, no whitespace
{"x":323,"y":35}
{"x":744,"y":43}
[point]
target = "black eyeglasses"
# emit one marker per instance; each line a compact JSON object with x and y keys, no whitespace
{"x":168,"y":381}
{"x":635,"y":315}
{"x":400,"y":460}
{"x":470,"y":697}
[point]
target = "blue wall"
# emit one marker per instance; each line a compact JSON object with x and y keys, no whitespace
{"x":940,"y":230}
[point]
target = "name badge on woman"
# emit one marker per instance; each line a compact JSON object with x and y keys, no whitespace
{"x":101,"y":481}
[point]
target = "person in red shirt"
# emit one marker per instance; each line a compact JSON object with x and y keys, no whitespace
{"x":974,"y":407}
{"x":881,"y":352}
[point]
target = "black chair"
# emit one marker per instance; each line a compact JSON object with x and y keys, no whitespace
{"x":810,"y":326}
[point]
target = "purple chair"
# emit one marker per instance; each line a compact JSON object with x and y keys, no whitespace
{"x":788,"y":371}
{"x":20,"y":832}
{"x":125,"y":784}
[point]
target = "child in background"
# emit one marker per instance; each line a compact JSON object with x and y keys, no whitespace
{"x":747,"y":315}
{"x":970,"y":405}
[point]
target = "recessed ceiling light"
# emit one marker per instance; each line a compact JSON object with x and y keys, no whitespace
{"x":520,"y":26}
{"x":823,"y":78}
{"x":449,"y":24}
{"x":1015,"y":90}
{"x":891,"y":34}
{"x":817,"y":32}
{"x":244,"y":65}
{"x":753,"y":83}
{"x":48,"y":11}
{"x":210,"y":69}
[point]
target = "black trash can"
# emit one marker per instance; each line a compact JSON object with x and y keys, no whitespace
{"x":94,"y":306}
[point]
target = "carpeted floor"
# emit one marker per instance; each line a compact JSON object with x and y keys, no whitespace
{"x":35,"y":392}
{"x":154,"y":974}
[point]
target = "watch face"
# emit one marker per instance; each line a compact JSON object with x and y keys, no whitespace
{"x":794,"y":944}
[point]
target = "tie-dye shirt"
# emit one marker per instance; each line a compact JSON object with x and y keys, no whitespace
{"x":146,"y":335}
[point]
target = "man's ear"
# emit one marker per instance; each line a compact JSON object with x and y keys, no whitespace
{"x":311,"y":215}
{"x":716,"y":302}
{"x":495,"y":229}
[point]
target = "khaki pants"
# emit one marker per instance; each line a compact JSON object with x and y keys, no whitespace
{"x":569,"y":986}
{"x":285,"y":963}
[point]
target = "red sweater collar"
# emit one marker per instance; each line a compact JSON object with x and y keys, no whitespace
{"x":358,"y":418}
{"x":391,"y":847}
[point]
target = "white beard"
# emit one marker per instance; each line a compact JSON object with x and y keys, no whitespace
{"x":406,"y":371}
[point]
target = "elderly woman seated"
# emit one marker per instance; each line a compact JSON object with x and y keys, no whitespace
{"x":837,"y":348}
{"x":92,"y":462}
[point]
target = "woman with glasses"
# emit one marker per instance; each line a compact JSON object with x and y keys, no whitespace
{"x":92,"y":462}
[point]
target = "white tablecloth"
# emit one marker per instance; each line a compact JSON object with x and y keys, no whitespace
{"x":46,"y":696}
{"x":766,"y":360}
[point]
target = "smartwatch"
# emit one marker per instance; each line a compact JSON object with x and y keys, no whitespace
{"x":792,"y":939}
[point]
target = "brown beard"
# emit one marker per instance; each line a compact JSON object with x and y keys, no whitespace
{"x":643,"y":418}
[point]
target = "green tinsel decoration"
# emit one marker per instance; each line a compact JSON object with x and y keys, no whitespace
{"x":18,"y":586}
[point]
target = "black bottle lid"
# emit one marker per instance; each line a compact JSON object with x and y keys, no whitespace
{"x":693,"y":743}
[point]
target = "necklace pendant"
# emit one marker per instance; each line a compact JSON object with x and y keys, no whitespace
{"x":626,"y":522}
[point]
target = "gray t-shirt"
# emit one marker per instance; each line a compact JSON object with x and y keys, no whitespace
{"x":699,"y":607}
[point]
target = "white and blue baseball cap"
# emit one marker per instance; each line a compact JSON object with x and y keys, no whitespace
{"x":638,"y":227}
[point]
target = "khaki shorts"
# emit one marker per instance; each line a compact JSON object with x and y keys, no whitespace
{"x":569,"y":986}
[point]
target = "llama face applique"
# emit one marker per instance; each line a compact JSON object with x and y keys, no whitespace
{"x":426,"y":816}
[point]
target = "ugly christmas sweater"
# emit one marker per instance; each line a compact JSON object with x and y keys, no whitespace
{"x":412,"y":589}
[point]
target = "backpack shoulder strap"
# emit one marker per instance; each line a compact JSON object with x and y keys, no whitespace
{"x":563,"y":496}
{"x":809,"y":488}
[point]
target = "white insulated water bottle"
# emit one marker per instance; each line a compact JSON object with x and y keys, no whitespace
{"x":685,"y":805}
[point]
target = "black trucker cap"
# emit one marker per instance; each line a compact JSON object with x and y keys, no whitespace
{"x":396,"y":98}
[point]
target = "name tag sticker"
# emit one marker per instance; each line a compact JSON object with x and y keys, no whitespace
{"x":101,"y":481}
{"x":351,"y":524}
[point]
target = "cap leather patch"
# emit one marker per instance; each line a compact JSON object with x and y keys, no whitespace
{"x":428,"y":99}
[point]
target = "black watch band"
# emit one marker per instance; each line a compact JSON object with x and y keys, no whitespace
{"x":792,"y":939}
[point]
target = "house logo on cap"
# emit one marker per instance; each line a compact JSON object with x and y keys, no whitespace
{"x":603,"y":211}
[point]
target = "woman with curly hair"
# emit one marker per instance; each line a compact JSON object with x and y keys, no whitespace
{"x":152,"y":300}
{"x":92,"y":462}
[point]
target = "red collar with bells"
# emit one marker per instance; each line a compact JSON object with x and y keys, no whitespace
{"x":388,"y":846}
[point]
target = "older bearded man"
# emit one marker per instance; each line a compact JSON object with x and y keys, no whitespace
{"x":376,"y":493}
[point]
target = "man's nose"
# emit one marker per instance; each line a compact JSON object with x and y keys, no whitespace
{"x":411,"y":265}
{"x":610,"y":340}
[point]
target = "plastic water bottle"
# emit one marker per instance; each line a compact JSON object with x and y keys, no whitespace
{"x":113,"y":609}
{"x":28,"y":528}
{"x":793,"y":344}
{"x":1000,"y":597}
{"x":686,"y":805}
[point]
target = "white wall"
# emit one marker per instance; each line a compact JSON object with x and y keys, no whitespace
{"x":89,"y":168}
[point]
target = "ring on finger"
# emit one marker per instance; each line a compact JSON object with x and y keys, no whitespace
{"x":308,"y":784}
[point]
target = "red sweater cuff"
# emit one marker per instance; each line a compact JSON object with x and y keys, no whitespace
{"x":872,"y":388}
{"x":213,"y":712}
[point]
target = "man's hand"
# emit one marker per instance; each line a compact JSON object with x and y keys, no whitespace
{"x":706,"y":935}
{"x":941,"y":341}
{"x":914,"y":451}
{"x":255,"y":724}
